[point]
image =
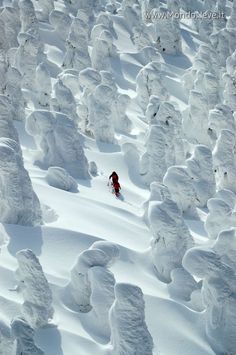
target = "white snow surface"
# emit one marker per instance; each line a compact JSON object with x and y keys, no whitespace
{"x":89,"y":265}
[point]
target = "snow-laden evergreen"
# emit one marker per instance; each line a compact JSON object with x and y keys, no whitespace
{"x":58,"y":142}
{"x":32,"y":283}
{"x":171,"y":237}
{"x":23,"y":334}
{"x":19,"y":203}
{"x":129,"y":333}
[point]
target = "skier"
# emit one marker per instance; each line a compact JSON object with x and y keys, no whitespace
{"x":116,"y":187}
{"x":114,"y":177}
{"x":115,"y":183}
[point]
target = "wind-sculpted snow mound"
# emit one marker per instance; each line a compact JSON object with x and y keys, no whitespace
{"x":129,"y":332}
{"x":59,"y":178}
{"x":216,"y":267}
{"x":37,"y":307}
{"x":23,"y":334}
{"x":58,"y":142}
{"x":19,"y":204}
{"x":101,"y":254}
{"x":171,"y":237}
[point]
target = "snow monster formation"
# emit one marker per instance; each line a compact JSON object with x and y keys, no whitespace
{"x":129,"y":332}
{"x":19,"y":203}
{"x":84,"y":280}
{"x":58,"y":142}
{"x":200,"y":169}
{"x":171,"y":237}
{"x":181,"y":188}
{"x":149,"y":82}
{"x":224,"y":160}
{"x":23,"y":334}
{"x":216,"y":267}
{"x":37,"y":307}
{"x":7,"y":115}
{"x":221,"y":214}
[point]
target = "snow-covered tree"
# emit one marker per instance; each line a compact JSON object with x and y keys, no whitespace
{"x":37,"y":307}
{"x":18,"y":205}
{"x":200,"y":169}
{"x":89,"y":79}
{"x":216,"y":267}
{"x":29,"y":22}
{"x":61,"y":23}
{"x":153,"y":163}
{"x":6,"y":339}
{"x":231,"y":23}
{"x":183,"y":285}
{"x":149,"y":82}
{"x":221,"y":44}
{"x":26,"y":59}
{"x":58,"y":142}
{"x":46,"y":6}
{"x":171,"y":237}
{"x":44,"y":86}
{"x":221,"y":117}
{"x":167,"y":33}
{"x":220,"y":216}
{"x":101,"y":254}
{"x":103,"y":50}
{"x":7,"y":129}
{"x":102,"y":284}
{"x":224,"y":161}
{"x":230,"y":90}
{"x":165,"y":114}
{"x":9,"y":18}
{"x":141,"y":37}
{"x":64,"y":101}
{"x":102,"y":124}
{"x":23,"y":334}
{"x":129,"y":332}
{"x":221,"y":22}
{"x":77,"y":55}
{"x":59,"y":178}
{"x":93,"y":169}
{"x":195,"y":119}
{"x":181,"y":188}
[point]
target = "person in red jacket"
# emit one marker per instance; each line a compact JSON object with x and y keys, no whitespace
{"x":115,"y":183}
{"x":116,"y":187}
{"x":114,"y":177}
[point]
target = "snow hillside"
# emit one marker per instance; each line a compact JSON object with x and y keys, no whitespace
{"x":86,"y":88}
